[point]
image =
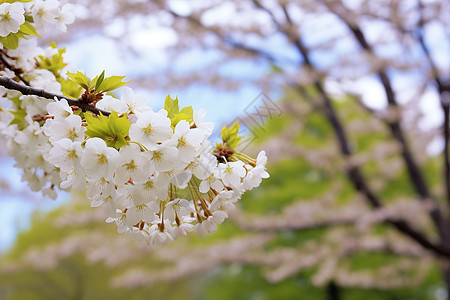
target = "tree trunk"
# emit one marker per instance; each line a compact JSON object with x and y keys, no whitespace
{"x":333,"y":291}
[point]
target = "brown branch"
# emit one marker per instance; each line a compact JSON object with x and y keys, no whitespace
{"x":9,"y":66}
{"x":26,"y":90}
{"x":354,"y":173}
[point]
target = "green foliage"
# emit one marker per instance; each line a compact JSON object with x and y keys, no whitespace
{"x":11,"y":41}
{"x":99,"y":84}
{"x":230,"y":135}
{"x":82,"y":80}
{"x":113,"y":129}
{"x":28,"y":29}
{"x":19,"y":114}
{"x":103,"y":85}
{"x":174,"y":113}
{"x":55,"y":63}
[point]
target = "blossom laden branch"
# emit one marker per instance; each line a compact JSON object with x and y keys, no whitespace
{"x":157,"y":172}
{"x":27,"y":90}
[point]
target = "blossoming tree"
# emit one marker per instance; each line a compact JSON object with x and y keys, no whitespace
{"x":381,"y":156}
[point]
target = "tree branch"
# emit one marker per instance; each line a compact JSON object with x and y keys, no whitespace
{"x":228,"y":40}
{"x":26,"y":90}
{"x":445,"y":101}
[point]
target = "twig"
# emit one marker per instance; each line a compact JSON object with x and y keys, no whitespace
{"x":26,"y":90}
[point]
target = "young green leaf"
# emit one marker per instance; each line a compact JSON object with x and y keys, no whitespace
{"x":186,"y":113}
{"x":230,"y":135}
{"x":11,"y":41}
{"x":113,"y":130}
{"x":110,"y":83}
{"x":19,"y":118}
{"x":28,"y":29}
{"x":81,"y":79}
{"x":99,"y":80}
{"x":171,"y":106}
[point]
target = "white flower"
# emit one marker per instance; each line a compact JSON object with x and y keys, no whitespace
{"x":223,"y":201}
{"x":151,"y":128}
{"x":186,"y":140}
{"x":98,"y":159}
{"x":207,"y":127}
{"x":133,"y":164}
{"x":11,"y":17}
{"x":210,"y":224}
{"x":154,"y":189}
{"x":59,"y":109}
{"x":65,"y":154}
{"x":231,"y":173}
{"x":75,"y":179}
{"x":135,"y":104}
{"x":109,"y":103}
{"x":177,"y":207}
{"x":212,"y":182}
{"x":254,"y":177}
{"x":144,"y":212}
{"x":157,"y":237}
{"x":69,"y":128}
{"x":165,"y":158}
{"x":66,"y":17}
{"x":261,"y":159}
{"x":100,"y":191}
{"x":45,"y":13}
{"x":119,"y":218}
{"x":183,"y":228}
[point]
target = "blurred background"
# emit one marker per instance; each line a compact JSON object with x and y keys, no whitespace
{"x":350,"y":100}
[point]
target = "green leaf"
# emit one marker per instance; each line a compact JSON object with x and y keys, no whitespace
{"x":28,"y":29}
{"x":233,"y":142}
{"x":171,"y":106}
{"x":113,"y":130}
{"x":19,"y":118}
{"x":81,"y":79}
{"x":16,"y":100}
{"x":230,"y":135}
{"x":69,"y":88}
{"x":55,"y":64}
{"x":99,"y":80}
{"x":110,"y":83}
{"x":189,"y":112}
{"x":11,"y":41}
{"x":186,"y":113}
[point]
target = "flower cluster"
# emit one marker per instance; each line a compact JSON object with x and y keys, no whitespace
{"x":21,"y":18}
{"x":156,"y":171}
